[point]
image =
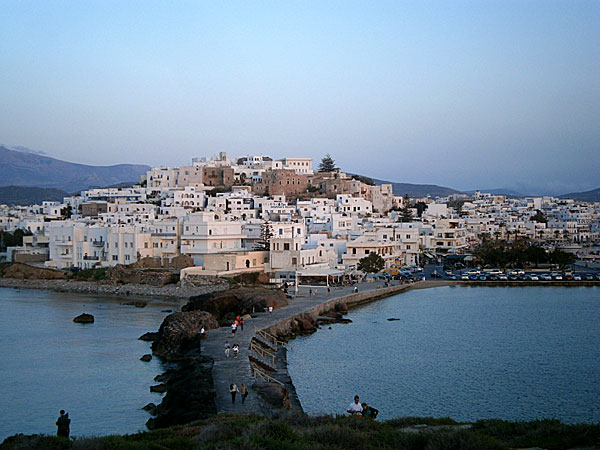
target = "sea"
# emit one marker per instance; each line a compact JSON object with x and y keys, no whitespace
{"x":92,"y":371}
{"x":469,"y":353}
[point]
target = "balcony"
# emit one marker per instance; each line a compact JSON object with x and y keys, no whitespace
{"x":99,"y":243}
{"x":91,"y":258}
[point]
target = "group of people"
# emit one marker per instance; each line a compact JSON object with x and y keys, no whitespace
{"x":237,"y":323}
{"x":234,"y":390}
{"x":359,"y":409}
{"x":228,"y":349}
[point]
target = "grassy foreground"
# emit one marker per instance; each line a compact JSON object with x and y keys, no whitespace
{"x":298,"y":431}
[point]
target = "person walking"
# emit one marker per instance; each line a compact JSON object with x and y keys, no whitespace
{"x":236,"y":349}
{"x":242,"y":323}
{"x":270,"y":310}
{"x":243,"y":392}
{"x":62,"y":424}
{"x":233,"y":390}
{"x":233,"y":328}
{"x":227,"y":349}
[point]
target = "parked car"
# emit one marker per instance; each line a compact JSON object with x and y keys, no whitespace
{"x":557,"y":276}
{"x":545,"y":277}
{"x":589,"y":277}
{"x":464,"y":277}
{"x":448,"y":273}
{"x":576,"y":277}
{"x":503,"y":277}
{"x":534,"y":277}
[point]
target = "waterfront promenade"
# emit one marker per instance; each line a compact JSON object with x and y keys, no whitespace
{"x":238,"y":370}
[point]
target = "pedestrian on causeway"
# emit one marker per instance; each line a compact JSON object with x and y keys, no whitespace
{"x":233,"y":390}
{"x":243,"y":392}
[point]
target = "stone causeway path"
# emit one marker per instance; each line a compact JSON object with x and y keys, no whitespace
{"x":238,"y":370}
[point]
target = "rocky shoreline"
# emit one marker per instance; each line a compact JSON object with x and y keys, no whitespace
{"x":171,"y":291}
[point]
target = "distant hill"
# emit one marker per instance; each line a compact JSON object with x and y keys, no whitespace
{"x":587,"y":196}
{"x":418,"y":190}
{"x":499,"y":191}
{"x":20,"y":168}
{"x":25,"y":196}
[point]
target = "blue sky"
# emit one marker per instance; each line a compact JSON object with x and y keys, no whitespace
{"x":466,"y":94}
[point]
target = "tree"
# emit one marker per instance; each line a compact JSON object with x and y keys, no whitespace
{"x":539,"y":217}
{"x":327,"y":164}
{"x":266,"y":233}
{"x":406,"y":214}
{"x":372,"y":263}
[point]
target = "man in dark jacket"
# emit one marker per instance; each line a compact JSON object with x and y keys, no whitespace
{"x":63,"y":423}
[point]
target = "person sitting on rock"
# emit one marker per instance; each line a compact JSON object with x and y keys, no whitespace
{"x":368,"y":411}
{"x":355,"y":408}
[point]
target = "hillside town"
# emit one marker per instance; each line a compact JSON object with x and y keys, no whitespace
{"x":225,"y":216}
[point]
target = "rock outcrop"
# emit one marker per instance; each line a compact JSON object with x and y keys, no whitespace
{"x":120,"y":274}
{"x":22,"y":271}
{"x":84,"y":318}
{"x":180,"y":332}
{"x":226,"y":305}
{"x":149,"y":336}
{"x":274,"y":394}
{"x":190,"y":394}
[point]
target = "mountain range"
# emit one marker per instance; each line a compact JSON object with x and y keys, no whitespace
{"x":24,"y":168}
{"x":418,"y":190}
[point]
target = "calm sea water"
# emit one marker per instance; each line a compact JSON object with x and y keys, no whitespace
{"x":518,"y":353}
{"x":93,"y":371}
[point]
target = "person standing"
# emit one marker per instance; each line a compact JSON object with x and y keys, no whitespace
{"x":227,"y":349}
{"x":270,"y":310}
{"x":355,"y":408}
{"x":242,"y":323}
{"x":63,"y":423}
{"x":243,"y":392}
{"x":233,"y":328}
{"x":236,"y":349}
{"x":233,"y":390}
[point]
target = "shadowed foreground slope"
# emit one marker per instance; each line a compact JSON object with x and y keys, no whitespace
{"x":299,"y":431}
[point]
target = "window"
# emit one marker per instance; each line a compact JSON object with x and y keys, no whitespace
{"x":367,"y":251}
{"x":354,"y":251}
{"x":286,"y":246}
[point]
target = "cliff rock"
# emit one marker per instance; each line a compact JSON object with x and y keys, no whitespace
{"x":180,"y":332}
{"x":226,"y":305}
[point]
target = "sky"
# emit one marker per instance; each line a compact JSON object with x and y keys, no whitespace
{"x":464,"y":94}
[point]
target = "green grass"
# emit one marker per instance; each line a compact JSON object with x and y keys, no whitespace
{"x":294,"y":431}
{"x":91,"y":274}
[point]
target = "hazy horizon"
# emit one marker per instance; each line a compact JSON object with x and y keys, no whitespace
{"x":463,"y":94}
